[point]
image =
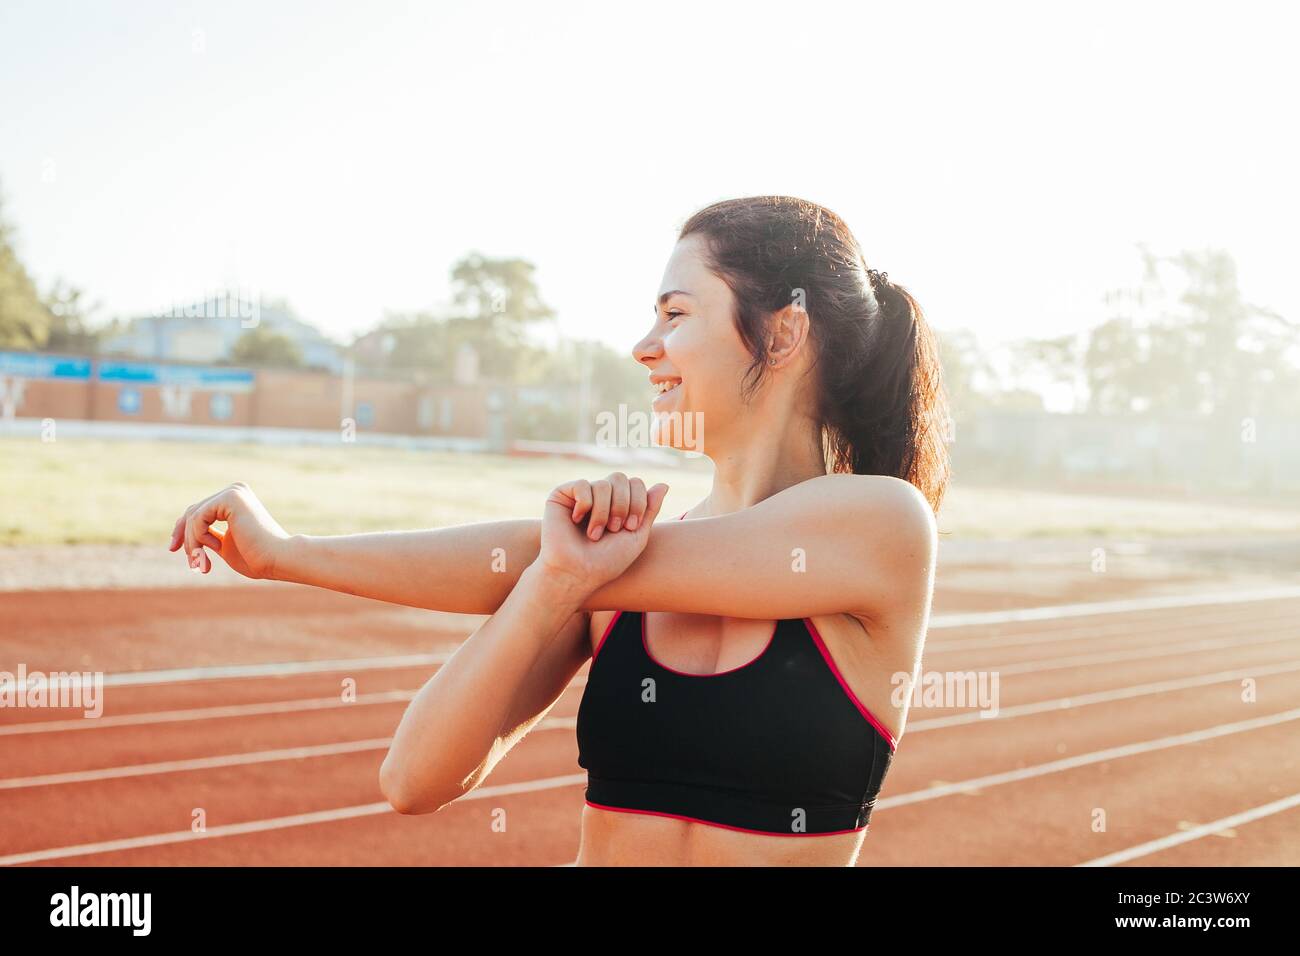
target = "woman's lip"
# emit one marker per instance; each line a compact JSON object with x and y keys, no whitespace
{"x":662,"y":395}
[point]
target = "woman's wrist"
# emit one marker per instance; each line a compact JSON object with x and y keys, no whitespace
{"x":554,"y":588}
{"x":285,"y":555}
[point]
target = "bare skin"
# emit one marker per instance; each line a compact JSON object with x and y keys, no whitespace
{"x":714,"y":583}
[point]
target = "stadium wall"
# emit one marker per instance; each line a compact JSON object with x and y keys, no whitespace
{"x":63,"y":387}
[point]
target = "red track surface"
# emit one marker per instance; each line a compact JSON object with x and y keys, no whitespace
{"x":264,"y":750}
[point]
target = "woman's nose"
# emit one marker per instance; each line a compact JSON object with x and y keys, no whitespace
{"x":648,"y":349}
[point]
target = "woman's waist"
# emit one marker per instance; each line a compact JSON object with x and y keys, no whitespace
{"x":612,"y":838}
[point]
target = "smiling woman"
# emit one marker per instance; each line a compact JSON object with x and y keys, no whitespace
{"x":740,"y":707}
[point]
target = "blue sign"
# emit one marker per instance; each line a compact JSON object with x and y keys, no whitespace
{"x":38,"y":365}
{"x":195,"y":376}
{"x":221,"y":406}
{"x":128,"y":400}
{"x":365,"y":414}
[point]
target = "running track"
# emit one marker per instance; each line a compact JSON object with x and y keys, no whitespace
{"x":229,"y":701}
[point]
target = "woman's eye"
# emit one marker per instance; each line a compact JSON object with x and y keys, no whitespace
{"x":672,"y":315}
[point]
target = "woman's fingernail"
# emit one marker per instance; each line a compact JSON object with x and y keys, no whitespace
{"x":632,"y":522}
{"x":595,"y":532}
{"x":615,"y":524}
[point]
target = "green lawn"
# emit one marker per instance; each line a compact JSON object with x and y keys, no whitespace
{"x":84,"y":491}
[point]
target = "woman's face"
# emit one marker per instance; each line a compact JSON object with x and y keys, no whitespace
{"x":694,"y":349}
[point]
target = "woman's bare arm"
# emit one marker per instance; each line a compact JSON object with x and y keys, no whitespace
{"x":491,"y":692}
{"x":464,"y":569}
{"x":502,"y":680}
{"x":839,"y":543}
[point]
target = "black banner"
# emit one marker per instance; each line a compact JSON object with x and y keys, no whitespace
{"x":208,"y":905}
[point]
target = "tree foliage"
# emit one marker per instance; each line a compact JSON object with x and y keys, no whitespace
{"x":24,"y":319}
{"x":267,"y":348}
{"x":1183,"y":341}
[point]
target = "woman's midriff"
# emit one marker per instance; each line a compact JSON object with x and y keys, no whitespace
{"x":614,"y":838}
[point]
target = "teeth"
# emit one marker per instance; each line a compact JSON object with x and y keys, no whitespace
{"x":662,"y":387}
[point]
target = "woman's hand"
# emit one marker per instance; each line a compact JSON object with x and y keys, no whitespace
{"x":252,"y":538}
{"x":585,"y":554}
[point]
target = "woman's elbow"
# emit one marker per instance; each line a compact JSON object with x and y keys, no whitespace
{"x":406,"y":795}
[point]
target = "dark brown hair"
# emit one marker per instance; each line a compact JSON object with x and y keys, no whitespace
{"x":882,"y":409}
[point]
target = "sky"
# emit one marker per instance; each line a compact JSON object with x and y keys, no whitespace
{"x":1003,"y":161}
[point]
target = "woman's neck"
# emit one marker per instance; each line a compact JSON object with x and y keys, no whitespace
{"x":747,"y":474}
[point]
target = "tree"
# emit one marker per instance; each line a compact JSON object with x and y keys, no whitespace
{"x":24,"y":318}
{"x":1185,"y":341}
{"x":495,"y":302}
{"x":70,"y":325}
{"x":1051,"y":362}
{"x":968,"y":375}
{"x":262,"y":346}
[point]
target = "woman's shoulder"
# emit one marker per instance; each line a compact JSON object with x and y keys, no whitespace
{"x":888,"y":508}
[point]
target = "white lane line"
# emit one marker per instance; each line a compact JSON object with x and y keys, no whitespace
{"x":229,"y":760}
{"x":557,"y":723}
{"x":276,"y":823}
{"x":1196,"y":833}
{"x":1101,"y":697}
{"x":561,"y":723}
{"x":570,"y":723}
{"x":1047,"y":613}
{"x":203,"y":713}
{"x":146,"y":718}
{"x":197,"y":763}
{"x":1133,"y":654}
{"x":930,"y":793}
{"x":281,"y":669}
{"x":1058,"y":611}
{"x":1100,"y":631}
{"x":1084,"y":760}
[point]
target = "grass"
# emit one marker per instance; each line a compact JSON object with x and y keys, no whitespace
{"x":126,"y":492}
{"x":120,"y":492}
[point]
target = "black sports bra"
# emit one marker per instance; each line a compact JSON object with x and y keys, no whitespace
{"x":780,"y":745}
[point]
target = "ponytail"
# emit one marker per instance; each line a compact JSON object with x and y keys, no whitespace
{"x":890,"y":415}
{"x":881,"y":408}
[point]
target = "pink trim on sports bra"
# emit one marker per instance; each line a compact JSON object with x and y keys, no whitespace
{"x":714,"y":823}
{"x":601,"y":643}
{"x":826,"y":656}
{"x":672,"y":670}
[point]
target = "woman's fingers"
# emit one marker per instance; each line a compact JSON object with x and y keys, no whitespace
{"x":636,"y":507}
{"x":178,"y":533}
{"x":188,"y":537}
{"x":601,"y":493}
{"x":620,"y":498}
{"x":580,"y":491}
{"x":610,"y":504}
{"x":198,"y":525}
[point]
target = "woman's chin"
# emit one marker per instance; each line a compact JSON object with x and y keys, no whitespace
{"x":676,"y":429}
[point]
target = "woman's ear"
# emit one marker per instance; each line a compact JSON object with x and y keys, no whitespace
{"x":789,"y":330}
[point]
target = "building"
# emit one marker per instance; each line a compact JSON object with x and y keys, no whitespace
{"x":206,"y":332}
{"x":36,"y":385}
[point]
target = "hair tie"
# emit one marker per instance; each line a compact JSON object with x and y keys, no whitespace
{"x":878,"y":278}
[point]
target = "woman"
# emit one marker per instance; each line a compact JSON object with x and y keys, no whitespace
{"x":740,"y":708}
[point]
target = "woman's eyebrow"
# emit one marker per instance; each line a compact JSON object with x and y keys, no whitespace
{"x":665,"y":296}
